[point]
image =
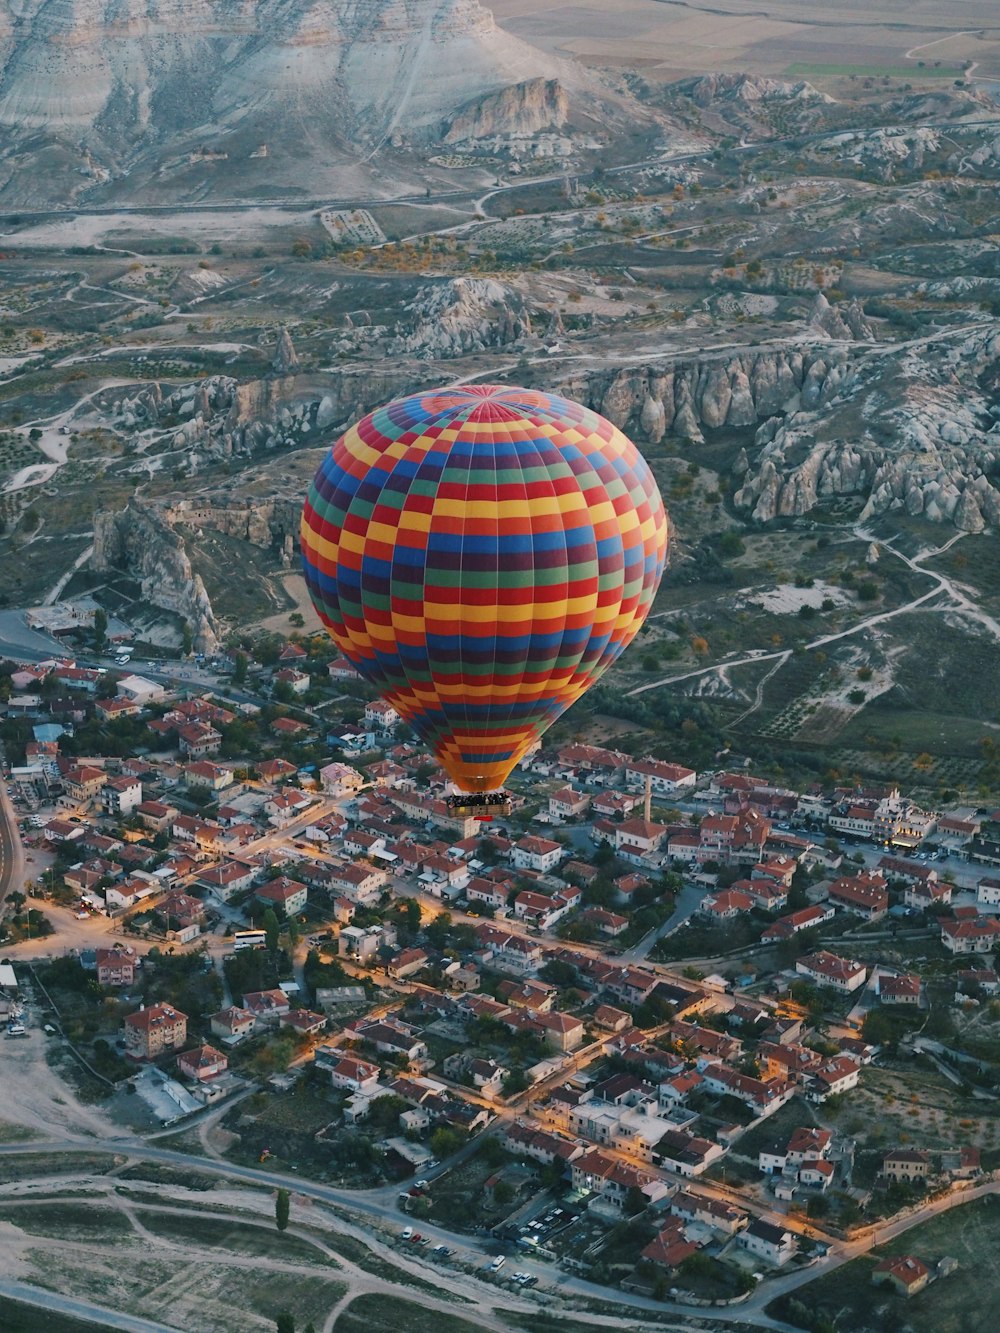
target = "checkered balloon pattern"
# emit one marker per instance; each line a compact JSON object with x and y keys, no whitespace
{"x":482,"y":555}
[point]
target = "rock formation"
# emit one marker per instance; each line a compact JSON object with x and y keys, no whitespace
{"x":286,"y":361}
{"x":522,"y":109}
{"x":903,"y":430}
{"x":461,"y":315}
{"x":747,"y":88}
{"x":140,"y":541}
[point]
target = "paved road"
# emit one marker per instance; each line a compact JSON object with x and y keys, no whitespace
{"x":99,"y":1315}
{"x":11,"y":851}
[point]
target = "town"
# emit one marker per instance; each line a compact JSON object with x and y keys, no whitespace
{"x":673,"y":1032}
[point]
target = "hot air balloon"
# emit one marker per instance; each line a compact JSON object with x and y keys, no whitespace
{"x":482,"y":554}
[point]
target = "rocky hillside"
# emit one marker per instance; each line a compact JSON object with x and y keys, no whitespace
{"x":214,"y":97}
{"x":903,"y":428}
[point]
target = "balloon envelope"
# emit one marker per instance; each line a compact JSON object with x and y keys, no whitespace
{"x":482,"y":554}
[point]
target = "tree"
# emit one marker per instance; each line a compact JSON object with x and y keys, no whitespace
{"x":445,"y":1141}
{"x":187,"y":643}
{"x":285,"y":1323}
{"x":503,"y":1194}
{"x":293,"y":932}
{"x":240,"y":669}
{"x":282,"y":1206}
{"x":100,"y":627}
{"x":271,"y":930}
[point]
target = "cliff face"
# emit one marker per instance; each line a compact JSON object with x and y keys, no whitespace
{"x":140,"y":541}
{"x":522,"y":109}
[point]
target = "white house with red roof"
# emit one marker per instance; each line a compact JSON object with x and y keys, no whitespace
{"x":284,"y":895}
{"x":664,"y":779}
{"x":568,"y":803}
{"x":826,"y":969}
{"x":534,"y":853}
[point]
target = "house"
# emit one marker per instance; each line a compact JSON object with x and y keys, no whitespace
{"x":340,"y":780}
{"x":524,"y":1139}
{"x":389,"y":1037}
{"x":406,"y":963}
{"x":83,"y":782}
{"x":628,"y":886}
{"x":232,"y":1024}
{"x":906,"y":1164}
{"x":826,"y":969}
{"x":762,"y":1098}
{"x":864,"y":895}
{"x":266,"y":1006}
{"x":837,"y":1075}
{"x":805,"y":919}
{"x":559,"y":1032}
{"x":155,"y":815}
{"x":154,"y":1029}
{"x":903,"y":1273}
{"x":541,"y":854}
{"x":668,"y":1249}
{"x":287,"y":896}
{"x":486,"y":892}
{"x":898,"y":990}
{"x":358,"y":881}
{"x":286,"y":806}
{"x":972,"y":981}
{"x":726,"y":905}
{"x":116,"y":966}
{"x":381,"y":715}
{"x":608,"y":923}
{"x":613,"y":1180}
{"x":296,"y":681}
{"x":686,"y":1154}
{"x":766,"y":1241}
{"x":539,"y":909}
{"x":345,"y":1070}
{"x":988,"y":892}
{"x":927,"y":894}
{"x":568,"y":803}
{"x":611,"y":1019}
{"x":228,"y":878}
{"x":274,"y":770}
{"x":639,"y":837}
{"x":539,"y":996}
{"x":198,"y":739}
{"x":203,"y":773}
{"x":980,"y":935}
{"x":805,"y":1145}
{"x":713,"y":1213}
{"x":303,"y":1022}
{"x":663,"y":779}
{"x":204,"y":1062}
{"x":121,"y":796}
{"x":963,"y":1163}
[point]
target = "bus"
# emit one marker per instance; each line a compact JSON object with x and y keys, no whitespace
{"x":249,"y":939}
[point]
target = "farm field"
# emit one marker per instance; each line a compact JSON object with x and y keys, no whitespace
{"x":841,"y":39}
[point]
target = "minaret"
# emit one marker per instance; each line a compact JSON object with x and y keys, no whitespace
{"x":649,"y":797}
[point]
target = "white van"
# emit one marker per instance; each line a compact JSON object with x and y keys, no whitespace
{"x":497,"y":1264}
